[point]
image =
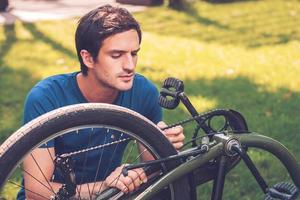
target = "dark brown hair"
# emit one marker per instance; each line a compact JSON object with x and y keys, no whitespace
{"x":99,"y":24}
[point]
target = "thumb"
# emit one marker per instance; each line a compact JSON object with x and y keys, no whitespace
{"x":161,"y":124}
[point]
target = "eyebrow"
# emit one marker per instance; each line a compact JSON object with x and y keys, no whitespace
{"x":121,"y":51}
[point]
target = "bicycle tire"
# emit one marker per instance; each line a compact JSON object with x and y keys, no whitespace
{"x":287,"y":159}
{"x":45,"y":127}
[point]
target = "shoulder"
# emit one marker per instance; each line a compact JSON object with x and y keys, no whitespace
{"x":43,"y":97}
{"x":146,"y":96}
{"x":54,"y":81}
{"x":50,"y":85}
{"x":143,"y":84}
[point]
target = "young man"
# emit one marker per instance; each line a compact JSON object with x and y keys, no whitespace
{"x":107,"y":42}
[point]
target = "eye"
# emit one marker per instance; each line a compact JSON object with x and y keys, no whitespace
{"x":134,"y":53}
{"x":116,"y":55}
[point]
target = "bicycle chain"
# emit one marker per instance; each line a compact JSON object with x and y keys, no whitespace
{"x":93,"y":148}
{"x":203,"y":115}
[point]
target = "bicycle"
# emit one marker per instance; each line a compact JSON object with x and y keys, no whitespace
{"x":175,"y":174}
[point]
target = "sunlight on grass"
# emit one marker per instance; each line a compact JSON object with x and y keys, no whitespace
{"x":201,"y":103}
{"x":42,"y":50}
{"x":242,"y":55}
{"x":9,"y":192}
{"x":184,"y":58}
{"x":250,"y":23}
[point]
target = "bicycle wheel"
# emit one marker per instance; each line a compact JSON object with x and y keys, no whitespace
{"x":126,"y":131}
{"x":228,"y":145}
{"x":275,"y":148}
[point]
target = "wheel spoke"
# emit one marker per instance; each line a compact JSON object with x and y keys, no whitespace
{"x":105,"y":174}
{"x":122,"y":121}
{"x":98,"y":165}
{"x":32,"y":156}
{"x":14,"y":183}
{"x":38,"y":181}
{"x":84,"y":164}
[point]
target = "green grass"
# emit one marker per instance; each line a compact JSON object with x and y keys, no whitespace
{"x":242,"y":55}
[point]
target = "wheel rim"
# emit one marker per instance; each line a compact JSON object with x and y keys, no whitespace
{"x":130,"y":148}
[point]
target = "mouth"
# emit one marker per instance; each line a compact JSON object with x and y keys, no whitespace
{"x":127,"y":77}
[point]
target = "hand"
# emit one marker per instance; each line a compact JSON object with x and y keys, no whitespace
{"x":175,"y":134}
{"x":126,"y":183}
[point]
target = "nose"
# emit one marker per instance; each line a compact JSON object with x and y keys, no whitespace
{"x":129,"y":63}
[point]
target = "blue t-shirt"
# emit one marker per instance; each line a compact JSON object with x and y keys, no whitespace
{"x":62,"y":90}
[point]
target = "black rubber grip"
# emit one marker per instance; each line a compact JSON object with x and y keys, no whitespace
{"x":169,"y":93}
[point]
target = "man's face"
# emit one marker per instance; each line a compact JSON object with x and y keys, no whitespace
{"x":116,"y":60}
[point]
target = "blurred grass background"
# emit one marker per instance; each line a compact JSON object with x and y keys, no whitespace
{"x":242,"y":55}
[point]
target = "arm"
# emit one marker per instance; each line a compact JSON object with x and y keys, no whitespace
{"x":138,"y":176}
{"x":39,"y":167}
{"x":38,"y":170}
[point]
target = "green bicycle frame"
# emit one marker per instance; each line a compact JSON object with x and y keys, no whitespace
{"x":275,"y":148}
{"x":248,"y":140}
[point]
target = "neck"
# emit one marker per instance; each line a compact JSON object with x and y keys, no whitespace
{"x":95,"y":93}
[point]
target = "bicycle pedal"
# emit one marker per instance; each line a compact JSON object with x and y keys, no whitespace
{"x":169,"y":92}
{"x":282,"y":191}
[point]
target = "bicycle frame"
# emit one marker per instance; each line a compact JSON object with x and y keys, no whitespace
{"x":219,"y":150}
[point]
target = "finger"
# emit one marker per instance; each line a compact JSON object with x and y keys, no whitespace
{"x":142,"y":174}
{"x":112,"y":181}
{"x":176,"y":138}
{"x":161,"y":125}
{"x":123,"y":183}
{"x":135,"y":178}
{"x":178,"y":145}
{"x":142,"y":177}
{"x":128,"y":181}
{"x":174,"y":131}
{"x":115,"y":179}
{"x":121,"y":186}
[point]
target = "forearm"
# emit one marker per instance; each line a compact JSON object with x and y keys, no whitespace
{"x":145,"y":154}
{"x":46,"y":190}
{"x":41,"y":190}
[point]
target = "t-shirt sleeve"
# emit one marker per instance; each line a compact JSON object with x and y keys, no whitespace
{"x":36,"y":104}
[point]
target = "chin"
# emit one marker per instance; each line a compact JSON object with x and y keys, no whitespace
{"x":125,"y":86}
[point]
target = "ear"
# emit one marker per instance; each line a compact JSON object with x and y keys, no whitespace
{"x":87,"y":58}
